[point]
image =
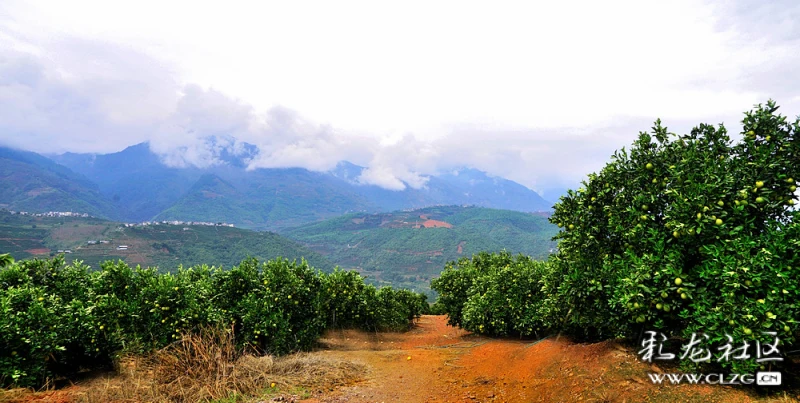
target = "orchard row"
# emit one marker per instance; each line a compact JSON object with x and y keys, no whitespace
{"x":686,"y":234}
{"x":57,"y":318}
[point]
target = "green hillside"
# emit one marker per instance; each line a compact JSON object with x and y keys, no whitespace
{"x":265,"y":199}
{"x":165,"y":246}
{"x":34,"y":183}
{"x":397,"y":248}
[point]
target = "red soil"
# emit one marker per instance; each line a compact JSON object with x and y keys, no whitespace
{"x":451,"y":365}
{"x":436,"y":224}
{"x":38,"y":251}
{"x":437,"y":363}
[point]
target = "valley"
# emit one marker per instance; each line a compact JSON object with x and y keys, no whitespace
{"x":330,"y":202}
{"x":167,"y":246}
{"x":402,"y":249}
{"x":137,"y":184}
{"x":408,"y":248}
{"x":393,"y":237}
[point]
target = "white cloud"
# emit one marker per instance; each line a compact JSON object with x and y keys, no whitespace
{"x":205,"y":124}
{"x":285,"y":139}
{"x":541,"y":93}
{"x":401,"y":162}
{"x":381,"y":176}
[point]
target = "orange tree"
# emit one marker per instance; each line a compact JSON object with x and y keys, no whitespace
{"x":57,"y":319}
{"x":691,"y":233}
{"x":507,"y":301}
{"x":456,"y":281}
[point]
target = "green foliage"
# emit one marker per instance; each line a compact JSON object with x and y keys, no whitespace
{"x":159,"y":245}
{"x":457,"y":278}
{"x":279,"y":304}
{"x":687,"y":234}
{"x":389,"y":249}
{"x":34,"y":183}
{"x":346,"y":299}
{"x":493,"y":293}
{"x":507,"y":301}
{"x":353,"y":304}
{"x":265,"y":199}
{"x":681,"y":234}
{"x":57,"y":318}
{"x":394,"y":309}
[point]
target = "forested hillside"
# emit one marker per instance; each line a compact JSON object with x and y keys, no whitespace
{"x":141,"y":187}
{"x":30,"y":181}
{"x":164,"y":245}
{"x":408,"y":248}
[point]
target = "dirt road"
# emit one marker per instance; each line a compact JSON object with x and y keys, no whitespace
{"x":438,"y":363}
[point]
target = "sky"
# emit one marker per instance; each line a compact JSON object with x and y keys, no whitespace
{"x":538,"y":92}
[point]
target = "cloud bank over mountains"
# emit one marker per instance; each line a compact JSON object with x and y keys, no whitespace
{"x":119,"y":99}
{"x":541,"y":96}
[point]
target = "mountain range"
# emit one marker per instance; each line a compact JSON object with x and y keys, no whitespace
{"x":134,"y":185}
{"x":400,"y":248}
{"x":33,"y":182}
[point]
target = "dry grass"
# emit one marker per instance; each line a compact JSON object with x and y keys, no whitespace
{"x":208,"y":366}
{"x":13,"y":395}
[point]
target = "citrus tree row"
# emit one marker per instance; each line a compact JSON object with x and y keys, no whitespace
{"x":58,"y":318}
{"x":684,"y":234}
{"x":493,"y":293}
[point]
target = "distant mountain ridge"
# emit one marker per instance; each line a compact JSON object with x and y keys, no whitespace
{"x":134,"y":179}
{"x":134,"y":185}
{"x":466,"y":186}
{"x":31,"y":181}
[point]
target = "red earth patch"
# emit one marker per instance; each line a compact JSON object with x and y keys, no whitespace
{"x":436,"y":224}
{"x":38,"y":251}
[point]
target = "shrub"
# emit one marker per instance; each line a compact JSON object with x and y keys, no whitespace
{"x":507,"y":301}
{"x":457,"y":277}
{"x":687,"y":234}
{"x":345,"y":300}
{"x":682,"y":234}
{"x":59,"y":318}
{"x":283,"y":312}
